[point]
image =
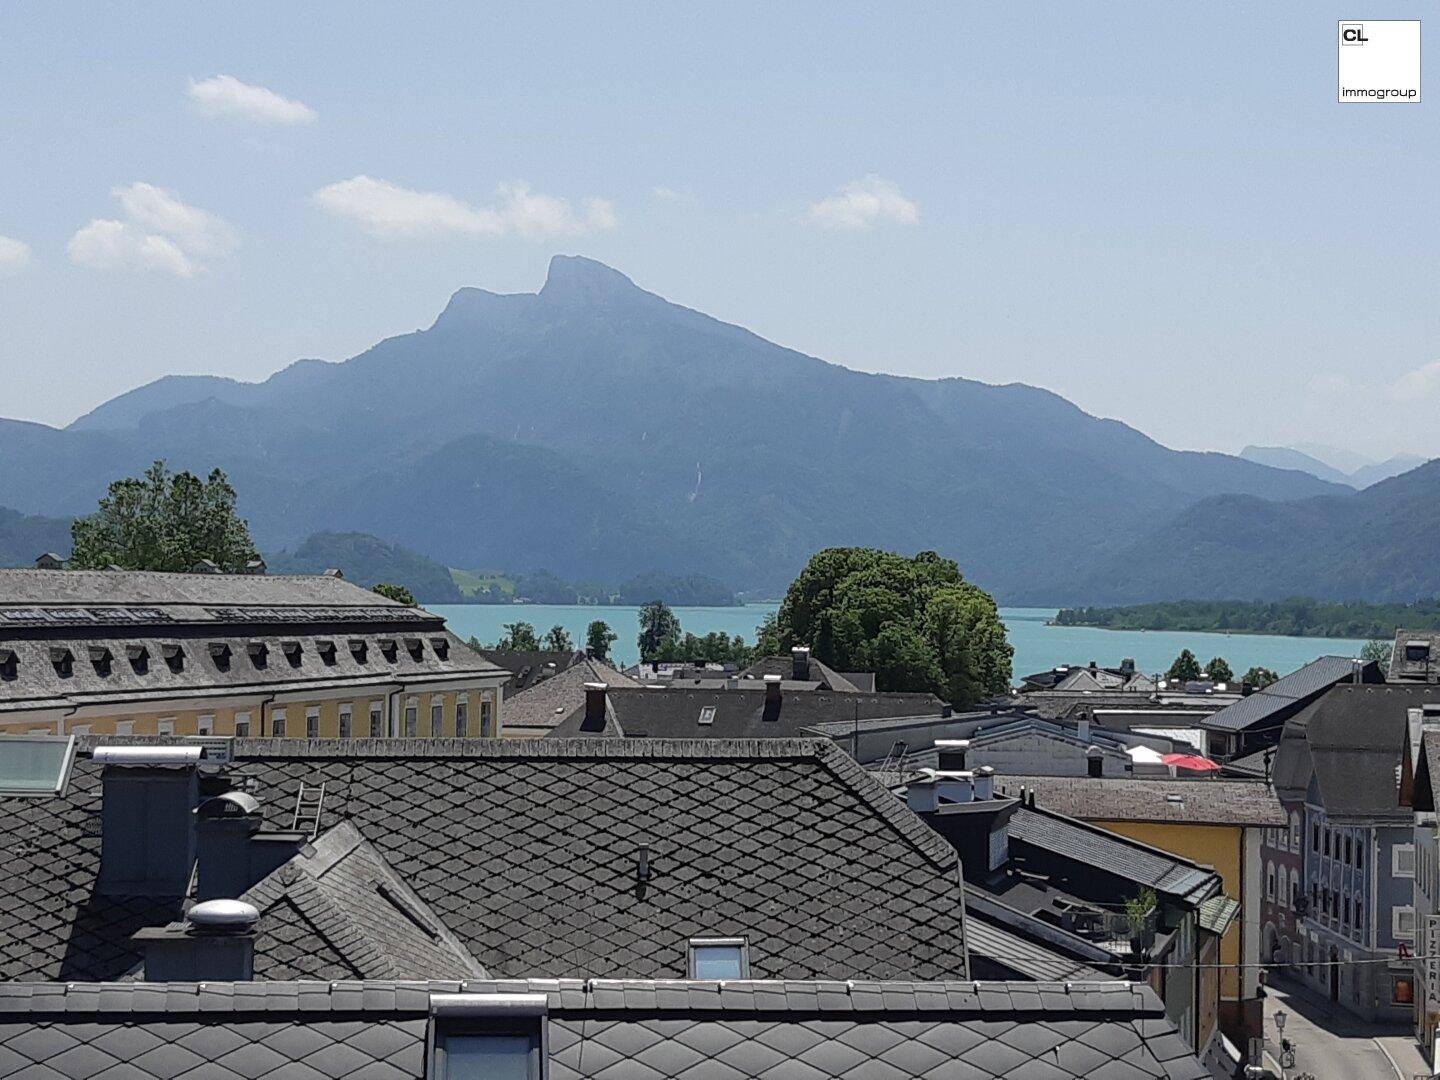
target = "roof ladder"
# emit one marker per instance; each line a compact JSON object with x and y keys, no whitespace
{"x":895,"y":760}
{"x":308,"y":802}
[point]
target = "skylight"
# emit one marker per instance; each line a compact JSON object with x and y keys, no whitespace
{"x":35,"y":766}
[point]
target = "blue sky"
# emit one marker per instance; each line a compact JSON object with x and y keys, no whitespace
{"x":1158,"y":211}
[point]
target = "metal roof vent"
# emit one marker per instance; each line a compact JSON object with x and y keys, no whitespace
{"x":230,"y":804}
{"x":223,"y":916}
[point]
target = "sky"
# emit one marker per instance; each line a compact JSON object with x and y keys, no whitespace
{"x":1157,"y":211}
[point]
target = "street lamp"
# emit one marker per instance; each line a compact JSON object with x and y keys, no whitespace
{"x":1280,"y":1019}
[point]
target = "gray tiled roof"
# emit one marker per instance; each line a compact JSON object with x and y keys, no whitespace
{"x":1271,"y":704}
{"x":1198,"y":802}
{"x":527,"y":850}
{"x":530,"y":667}
{"x":38,"y":683}
{"x":815,"y":671}
{"x":989,"y":941}
{"x":674,"y":712}
{"x":547,"y":703}
{"x":661,"y":1031}
{"x":150,"y":588}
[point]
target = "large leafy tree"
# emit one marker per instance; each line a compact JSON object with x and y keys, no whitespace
{"x":164,"y":521}
{"x":519,"y":637}
{"x":915,"y":622}
{"x":1185,"y":668}
{"x":1219,"y":669}
{"x":659,"y":631}
{"x":1260,"y":677}
{"x":598,"y":640}
{"x":399,"y":593}
{"x":557,"y":639}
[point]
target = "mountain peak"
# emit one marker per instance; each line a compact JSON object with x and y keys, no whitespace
{"x":576,"y":279}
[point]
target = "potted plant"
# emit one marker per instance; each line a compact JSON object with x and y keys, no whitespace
{"x":1137,"y":915}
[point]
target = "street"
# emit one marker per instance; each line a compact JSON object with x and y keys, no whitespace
{"x":1330,"y":1044}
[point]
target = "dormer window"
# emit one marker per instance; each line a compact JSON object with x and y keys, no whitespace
{"x":441,"y":646}
{"x":64,"y":661}
{"x":389,"y":648}
{"x":719,"y":958}
{"x":358,"y":649}
{"x":259,"y":653}
{"x":174,"y":655}
{"x":488,"y":1036}
{"x":326,"y":649}
{"x":220,"y":653}
{"x":139,"y":657}
{"x":1417,"y":652}
{"x":415,"y":647}
{"x":100,"y":659}
{"x":9,"y":664}
{"x":291,"y":649}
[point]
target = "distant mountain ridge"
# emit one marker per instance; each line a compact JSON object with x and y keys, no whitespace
{"x":1361,"y":476}
{"x":25,"y":537}
{"x":600,"y":431}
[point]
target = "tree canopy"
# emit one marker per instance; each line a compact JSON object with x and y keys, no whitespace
{"x":915,"y":622}
{"x":659,"y":630}
{"x":399,"y":593}
{"x":1260,"y":677}
{"x":1185,"y":668}
{"x":1377,"y":649}
{"x":519,"y":637}
{"x":164,"y":521}
{"x":557,"y":639}
{"x":598,"y":640}
{"x":1219,"y":669}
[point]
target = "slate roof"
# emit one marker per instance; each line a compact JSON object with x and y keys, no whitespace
{"x":602,"y":1031}
{"x":39,"y":683}
{"x":675,"y":712}
{"x":1354,"y":741}
{"x":1270,"y":706}
{"x":540,"y":708}
{"x":1427,"y":770}
{"x":529,"y":668}
{"x":528,"y":851}
{"x":1426,"y":665}
{"x":1201,"y":802}
{"x":991,"y":942}
{"x":337,"y":910}
{"x":822,"y":674}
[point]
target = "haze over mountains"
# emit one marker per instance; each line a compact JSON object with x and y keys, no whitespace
{"x":1328,"y":463}
{"x":598,"y":431}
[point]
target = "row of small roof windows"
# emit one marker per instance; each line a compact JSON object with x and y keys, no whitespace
{"x":138,"y":654}
{"x":122,"y":615}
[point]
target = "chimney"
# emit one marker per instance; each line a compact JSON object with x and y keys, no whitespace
{"x":215,"y":943}
{"x":1094,"y":761}
{"x":800,"y":663}
{"x":147,"y":828}
{"x":772,"y":697}
{"x":594,"y":707}
{"x":1082,"y":729}
{"x":955,"y":787}
{"x":950,"y":754}
{"x":231,"y":852}
{"x":920,"y":794}
{"x":985,"y":782}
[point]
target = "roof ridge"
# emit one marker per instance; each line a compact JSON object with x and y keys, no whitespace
{"x":541,"y":749}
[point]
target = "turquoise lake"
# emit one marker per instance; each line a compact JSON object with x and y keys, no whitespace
{"x":1037,"y":645}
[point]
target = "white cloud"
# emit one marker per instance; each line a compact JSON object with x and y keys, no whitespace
{"x":14,"y":255}
{"x":1418,"y":384}
{"x":226,"y":96}
{"x":388,"y":211}
{"x":159,"y":232}
{"x":863,"y":204}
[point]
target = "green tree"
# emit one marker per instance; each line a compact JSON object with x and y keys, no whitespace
{"x":917,"y":623}
{"x":659,"y":630}
{"x":164,"y":521}
{"x":1259,"y":677}
{"x":1185,"y":668}
{"x":1219,"y":670}
{"x":557,"y":639}
{"x":598,"y":640}
{"x":399,"y":593}
{"x":1378,"y":650}
{"x":519,"y":637}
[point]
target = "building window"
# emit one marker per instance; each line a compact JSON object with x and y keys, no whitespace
{"x":242,"y":725}
{"x":1270,"y":883}
{"x":205,"y":725}
{"x":1402,"y":860}
{"x":1315,"y":837}
{"x":125,"y":727}
{"x":487,"y":722}
{"x":488,"y":1052}
{"x":347,"y":713}
{"x":719,"y":958}
{"x":1347,"y":849}
{"x":412,"y":717}
{"x":437,"y":715}
{"x":1295,"y":832}
{"x":377,"y":723}
{"x":277,"y":723}
{"x":1359,"y":856}
{"x":1402,"y":923}
{"x":1402,"y":991}
{"x":84,"y":729}
{"x":165,"y":727}
{"x":312,"y":723}
{"x":1359,"y":915}
{"x":1327,"y":843}
{"x":462,"y":715}
{"x":1347,"y":911}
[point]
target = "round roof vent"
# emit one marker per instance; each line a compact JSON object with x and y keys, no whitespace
{"x":230,"y":804}
{"x":223,"y":915}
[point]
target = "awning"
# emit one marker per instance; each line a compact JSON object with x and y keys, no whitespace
{"x":1217,"y":913}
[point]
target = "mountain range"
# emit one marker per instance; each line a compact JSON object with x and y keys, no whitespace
{"x":1339,"y":467}
{"x":598,"y":431}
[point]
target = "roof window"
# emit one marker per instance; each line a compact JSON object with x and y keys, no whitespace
{"x":719,"y":958}
{"x":488,"y":1036}
{"x":707,"y":714}
{"x":35,"y":766}
{"x":1417,"y":651}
